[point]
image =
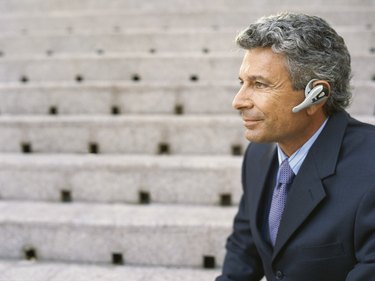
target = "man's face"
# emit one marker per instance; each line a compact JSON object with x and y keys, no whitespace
{"x":266,"y":99}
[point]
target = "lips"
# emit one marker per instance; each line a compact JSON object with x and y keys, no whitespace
{"x":250,"y":119}
{"x":251,"y":122}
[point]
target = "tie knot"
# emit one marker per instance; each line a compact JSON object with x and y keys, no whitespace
{"x":286,"y":172}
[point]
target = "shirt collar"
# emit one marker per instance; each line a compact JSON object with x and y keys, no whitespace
{"x":297,"y":158}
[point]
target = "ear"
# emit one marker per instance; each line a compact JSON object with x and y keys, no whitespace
{"x":315,"y":108}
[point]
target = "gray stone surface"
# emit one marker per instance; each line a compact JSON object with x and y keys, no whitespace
{"x":111,"y":178}
{"x":39,"y":271}
{"x":106,"y":20}
{"x":145,"y":235}
{"x":168,"y":5}
{"x":170,"y":68}
{"x":363,"y":102}
{"x":125,"y":134}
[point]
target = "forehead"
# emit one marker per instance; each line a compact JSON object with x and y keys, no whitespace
{"x":263,"y":62}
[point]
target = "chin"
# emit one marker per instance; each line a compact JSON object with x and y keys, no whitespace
{"x":253,"y":138}
{"x":256,"y":137}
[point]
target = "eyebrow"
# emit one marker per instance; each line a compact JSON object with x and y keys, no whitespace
{"x":256,"y":77}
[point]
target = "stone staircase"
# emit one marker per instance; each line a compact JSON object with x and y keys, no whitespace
{"x":120,"y":154}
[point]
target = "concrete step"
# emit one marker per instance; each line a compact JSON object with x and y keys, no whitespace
{"x":151,"y":134}
{"x":35,"y":6}
{"x":154,"y":235}
{"x":140,"y":98}
{"x":172,"y":68}
{"x":147,"y":41}
{"x":137,"y":179}
{"x":105,"y":20}
{"x":119,"y":98}
{"x":139,"y":68}
{"x":41,"y":271}
{"x":359,"y":41}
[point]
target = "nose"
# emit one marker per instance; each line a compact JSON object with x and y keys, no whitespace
{"x":242,"y":100}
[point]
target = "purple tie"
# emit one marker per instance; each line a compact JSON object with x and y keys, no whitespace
{"x":279,"y":196}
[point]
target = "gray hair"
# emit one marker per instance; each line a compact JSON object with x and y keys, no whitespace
{"x":312,"y":48}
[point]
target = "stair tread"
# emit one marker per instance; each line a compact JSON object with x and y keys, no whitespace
{"x":118,"y":160}
{"x":119,"y":215}
{"x":22,"y":270}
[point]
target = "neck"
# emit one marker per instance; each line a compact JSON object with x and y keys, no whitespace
{"x":291,"y":146}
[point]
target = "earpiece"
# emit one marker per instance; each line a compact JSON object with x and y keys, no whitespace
{"x":312,"y":96}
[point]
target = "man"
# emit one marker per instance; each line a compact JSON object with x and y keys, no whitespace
{"x":308,"y":207}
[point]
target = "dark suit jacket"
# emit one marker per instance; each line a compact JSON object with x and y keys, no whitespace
{"x":327,"y":232}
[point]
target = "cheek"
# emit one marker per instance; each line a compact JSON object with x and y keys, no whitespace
{"x":268,"y":99}
{"x":264,"y":103}
{"x":279,"y":117}
{"x":270,"y":107}
{"x":276,"y":108}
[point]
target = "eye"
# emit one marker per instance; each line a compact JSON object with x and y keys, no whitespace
{"x":241,"y":81}
{"x":260,"y":85}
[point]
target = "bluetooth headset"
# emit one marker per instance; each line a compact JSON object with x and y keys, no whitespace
{"x":313,"y":95}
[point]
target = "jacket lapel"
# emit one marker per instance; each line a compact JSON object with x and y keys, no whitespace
{"x":257,"y":177}
{"x":307,"y":190}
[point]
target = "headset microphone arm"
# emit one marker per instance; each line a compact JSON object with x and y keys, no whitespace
{"x":312,"y":96}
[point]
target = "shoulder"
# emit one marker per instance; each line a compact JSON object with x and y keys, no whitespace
{"x":359,"y":136}
{"x":357,"y":152}
{"x":364,"y":127}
